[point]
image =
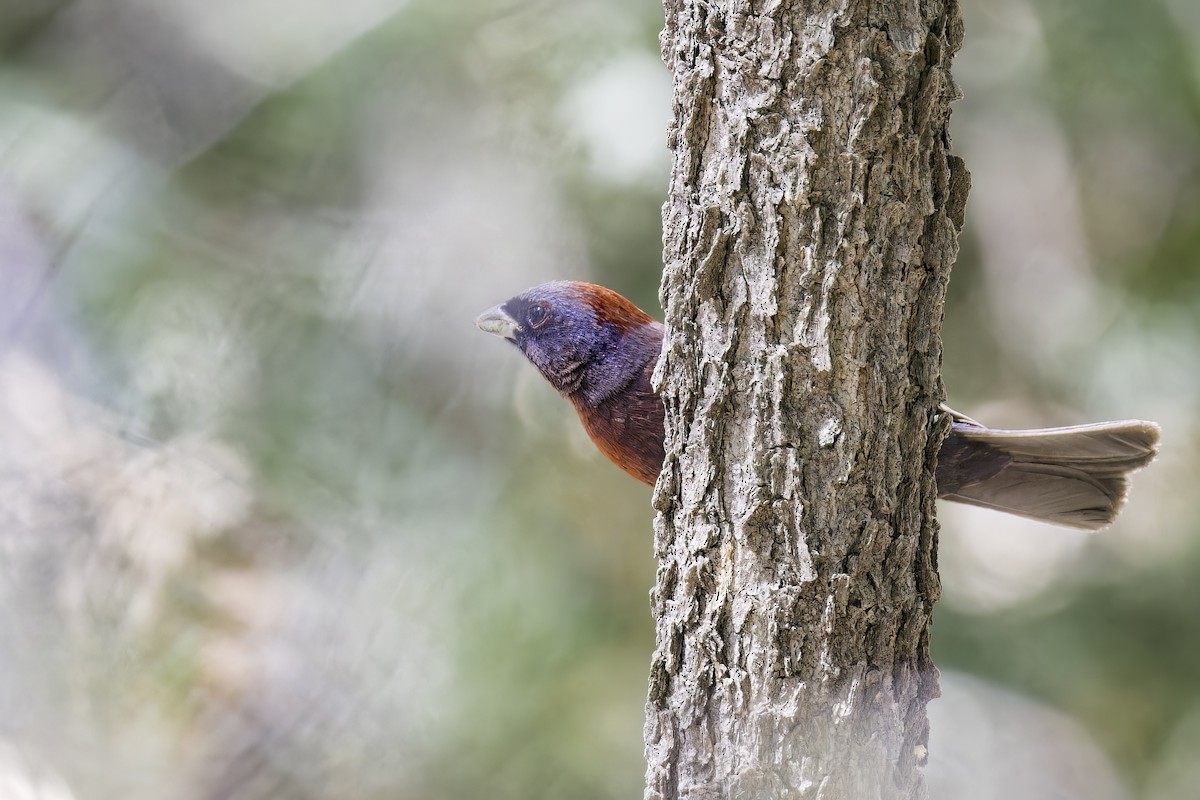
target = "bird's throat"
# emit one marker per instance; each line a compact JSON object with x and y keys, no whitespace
{"x":615,"y":367}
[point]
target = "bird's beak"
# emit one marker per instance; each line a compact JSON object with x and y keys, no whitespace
{"x":495,"y":321}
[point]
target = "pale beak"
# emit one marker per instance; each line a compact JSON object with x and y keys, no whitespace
{"x":495,"y":321}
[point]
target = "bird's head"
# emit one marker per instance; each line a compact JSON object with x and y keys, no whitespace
{"x":587,"y":341}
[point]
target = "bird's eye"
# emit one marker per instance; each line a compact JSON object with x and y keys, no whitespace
{"x":537,"y":315}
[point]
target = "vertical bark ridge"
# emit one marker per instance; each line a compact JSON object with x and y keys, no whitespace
{"x":808,"y":238}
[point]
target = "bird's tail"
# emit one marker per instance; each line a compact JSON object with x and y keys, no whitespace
{"x":1075,"y":476}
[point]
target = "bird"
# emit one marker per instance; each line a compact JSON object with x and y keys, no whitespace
{"x":599,"y":351}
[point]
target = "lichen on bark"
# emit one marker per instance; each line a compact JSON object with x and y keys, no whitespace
{"x":808,"y":237}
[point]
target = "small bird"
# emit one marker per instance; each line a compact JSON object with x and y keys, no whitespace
{"x":599,"y":351}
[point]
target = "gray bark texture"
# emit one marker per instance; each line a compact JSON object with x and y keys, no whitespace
{"x":808,"y":238}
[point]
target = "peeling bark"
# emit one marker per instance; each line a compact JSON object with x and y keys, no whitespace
{"x":808,"y":238}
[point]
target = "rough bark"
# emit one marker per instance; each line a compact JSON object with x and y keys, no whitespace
{"x":808,"y":237}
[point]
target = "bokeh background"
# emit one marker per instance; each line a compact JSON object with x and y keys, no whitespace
{"x":276,"y":521}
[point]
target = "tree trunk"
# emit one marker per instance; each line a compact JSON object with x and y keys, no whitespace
{"x":808,"y":238}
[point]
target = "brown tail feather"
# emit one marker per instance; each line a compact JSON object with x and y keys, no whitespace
{"x":1076,"y":476}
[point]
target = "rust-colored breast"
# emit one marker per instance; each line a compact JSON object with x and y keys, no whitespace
{"x":628,"y":428}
